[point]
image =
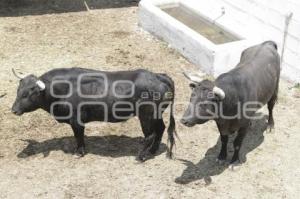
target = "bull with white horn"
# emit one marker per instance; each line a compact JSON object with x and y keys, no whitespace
{"x":234,"y":97}
{"x":29,"y":94}
{"x":77,"y":96}
{"x":206,"y":95}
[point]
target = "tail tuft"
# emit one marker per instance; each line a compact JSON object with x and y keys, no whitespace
{"x":171,"y":132}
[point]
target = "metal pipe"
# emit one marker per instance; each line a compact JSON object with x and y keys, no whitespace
{"x":285,"y":34}
{"x":222,"y":14}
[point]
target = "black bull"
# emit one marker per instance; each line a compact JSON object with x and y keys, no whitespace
{"x":77,"y":96}
{"x":234,"y":97}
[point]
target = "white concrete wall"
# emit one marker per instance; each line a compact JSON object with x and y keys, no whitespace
{"x":265,"y":19}
{"x":213,"y":59}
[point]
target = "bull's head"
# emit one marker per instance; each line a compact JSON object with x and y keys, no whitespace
{"x":28,"y":95}
{"x":204,"y":101}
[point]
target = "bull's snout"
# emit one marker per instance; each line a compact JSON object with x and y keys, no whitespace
{"x":15,"y":111}
{"x":186,"y":122}
{"x":183,"y":121}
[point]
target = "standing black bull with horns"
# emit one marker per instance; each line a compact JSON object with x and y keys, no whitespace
{"x":77,"y":96}
{"x":234,"y":97}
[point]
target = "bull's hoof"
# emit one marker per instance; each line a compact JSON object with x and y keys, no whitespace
{"x":141,"y":158}
{"x":270,"y":128}
{"x":169,"y":155}
{"x":235,"y":165}
{"x":79,"y":152}
{"x":221,"y":161}
{"x":154,"y":149}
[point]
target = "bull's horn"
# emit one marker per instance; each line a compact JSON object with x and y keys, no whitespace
{"x":219,"y":92}
{"x":193,"y":77}
{"x":18,"y":76}
{"x":41,"y":85}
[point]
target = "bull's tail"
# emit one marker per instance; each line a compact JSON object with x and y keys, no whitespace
{"x":171,"y":131}
{"x":172,"y":126}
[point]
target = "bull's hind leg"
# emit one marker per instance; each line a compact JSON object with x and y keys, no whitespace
{"x":159,"y":130}
{"x":147,"y":124}
{"x":79,"y":135}
{"x":271,"y":105}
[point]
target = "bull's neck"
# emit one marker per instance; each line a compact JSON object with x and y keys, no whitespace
{"x":43,"y":103}
{"x":46,"y":99}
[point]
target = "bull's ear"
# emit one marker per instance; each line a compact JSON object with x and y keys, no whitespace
{"x":37,"y":90}
{"x":192,"y":85}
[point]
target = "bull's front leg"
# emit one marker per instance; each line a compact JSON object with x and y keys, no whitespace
{"x":223,"y":153}
{"x":237,"y":146}
{"x":79,"y":136}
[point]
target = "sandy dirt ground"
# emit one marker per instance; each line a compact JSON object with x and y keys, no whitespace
{"x":36,"y":158}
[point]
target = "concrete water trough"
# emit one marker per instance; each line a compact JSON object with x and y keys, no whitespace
{"x":202,"y":32}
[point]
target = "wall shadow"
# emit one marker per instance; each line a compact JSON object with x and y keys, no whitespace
{"x":111,"y":145}
{"x":15,"y":8}
{"x":208,"y":166}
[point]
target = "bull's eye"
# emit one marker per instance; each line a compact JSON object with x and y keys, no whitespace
{"x":24,"y":95}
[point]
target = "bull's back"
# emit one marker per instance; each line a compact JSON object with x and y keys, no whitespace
{"x":95,"y":93}
{"x":262,"y":69}
{"x":256,"y":77}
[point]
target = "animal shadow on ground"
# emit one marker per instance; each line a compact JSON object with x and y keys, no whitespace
{"x":13,"y":8}
{"x":208,"y":166}
{"x":111,"y":145}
